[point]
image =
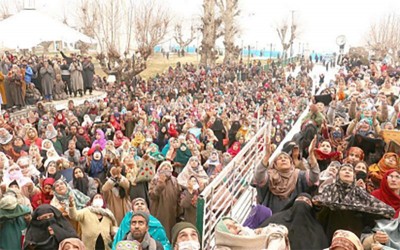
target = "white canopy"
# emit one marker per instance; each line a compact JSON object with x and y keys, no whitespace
{"x":29,"y":28}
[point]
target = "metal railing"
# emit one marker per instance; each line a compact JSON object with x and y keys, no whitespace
{"x":230,"y":193}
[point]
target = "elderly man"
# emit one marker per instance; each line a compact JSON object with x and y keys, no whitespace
{"x":156,"y":230}
{"x":139,"y":232}
{"x":185,"y":236}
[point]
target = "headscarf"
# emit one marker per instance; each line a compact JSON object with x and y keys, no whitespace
{"x":119,"y":138}
{"x":305,"y":232}
{"x":42,"y":197}
{"x":258,"y":214}
{"x":138,"y":139}
{"x":73,"y":241}
{"x":38,"y":234}
{"x":156,"y":155}
{"x":387,"y":195}
{"x":346,"y":240}
{"x":82,"y":184}
{"x":233,"y":152}
{"x":102,"y":141}
{"x":277,"y":237}
{"x":188,"y":171}
{"x":87,"y":122}
{"x":80,"y":199}
{"x":344,"y":196}
{"x":282,"y":184}
{"x":96,"y":166}
{"x":377,"y":171}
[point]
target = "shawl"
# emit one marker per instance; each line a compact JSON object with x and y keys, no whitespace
{"x":386,"y":195}
{"x":343,"y":196}
{"x":80,"y":199}
{"x":258,"y":214}
{"x":188,"y":171}
{"x":282,"y":184}
{"x":233,"y":152}
{"x":119,"y":138}
{"x":17,"y":211}
{"x":323,"y":156}
{"x":104,"y":212}
{"x":156,"y":155}
{"x":305,"y":232}
{"x":102,"y":141}
{"x":182,"y":154}
{"x":223,"y":238}
{"x":138,"y":139}
{"x":392,"y":228}
{"x":38,"y":234}
{"x":377,"y":171}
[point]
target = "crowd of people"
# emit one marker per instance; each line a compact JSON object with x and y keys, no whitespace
{"x":126,"y":171}
{"x":336,"y":184}
{"x":25,"y":80}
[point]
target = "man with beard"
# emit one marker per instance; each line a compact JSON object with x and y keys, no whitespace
{"x":139,"y":232}
{"x":73,"y":135}
{"x":73,"y":155}
{"x":156,"y":230}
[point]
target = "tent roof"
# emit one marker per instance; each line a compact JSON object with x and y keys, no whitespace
{"x":28,"y":28}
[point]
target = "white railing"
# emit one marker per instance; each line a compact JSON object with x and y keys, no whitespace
{"x":230,"y":193}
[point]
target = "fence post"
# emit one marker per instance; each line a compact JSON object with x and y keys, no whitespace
{"x":200,"y":212}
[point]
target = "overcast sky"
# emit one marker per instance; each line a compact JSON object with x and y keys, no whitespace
{"x":320,"y":21}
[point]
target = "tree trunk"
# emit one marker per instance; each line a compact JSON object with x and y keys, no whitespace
{"x":210,"y":24}
{"x":230,"y":10}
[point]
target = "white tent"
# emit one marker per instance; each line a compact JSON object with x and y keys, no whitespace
{"x":29,"y":27}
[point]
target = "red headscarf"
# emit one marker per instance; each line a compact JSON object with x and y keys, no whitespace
{"x":41,"y":198}
{"x":233,"y":152}
{"x":115,"y":123}
{"x":386,"y":195}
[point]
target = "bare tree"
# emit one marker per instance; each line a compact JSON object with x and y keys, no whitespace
{"x":383,"y":37}
{"x":287,"y":33}
{"x":178,"y":35}
{"x":229,"y":10}
{"x":210,"y":30}
{"x":150,"y":25}
{"x":8,"y":7}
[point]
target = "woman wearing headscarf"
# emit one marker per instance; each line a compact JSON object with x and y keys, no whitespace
{"x":229,"y":234}
{"x":325,"y":154}
{"x":193,"y":168}
{"x":82,"y":182}
{"x":33,"y":138}
{"x":97,"y":168}
{"x":62,"y":192}
{"x":305,"y":232}
{"x":346,"y":205}
{"x":377,"y":171}
{"x":390,"y":190}
{"x":257,"y":216}
{"x":45,"y":195}
{"x":212,"y":165}
{"x":13,"y":220}
{"x":51,"y":170}
{"x":47,"y":229}
{"x":385,"y":234}
{"x":119,"y":139}
{"x":71,"y":243}
{"x":100,"y":139}
{"x":345,"y":240}
{"x":234,"y":149}
{"x":97,"y":222}
{"x":279,"y":184}
{"x":164,"y":194}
